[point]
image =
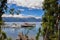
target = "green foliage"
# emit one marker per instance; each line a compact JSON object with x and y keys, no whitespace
{"x":49,"y":19}
{"x":3,"y":7}
{"x":9,"y":38}
{"x":4,"y":35}
{"x":38,"y":34}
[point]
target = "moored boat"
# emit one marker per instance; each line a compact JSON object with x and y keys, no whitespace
{"x":27,"y":25}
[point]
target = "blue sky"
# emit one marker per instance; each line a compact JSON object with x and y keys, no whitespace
{"x":27,"y":11}
{"x":31,"y":7}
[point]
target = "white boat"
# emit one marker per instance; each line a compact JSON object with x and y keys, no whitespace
{"x":15,"y":26}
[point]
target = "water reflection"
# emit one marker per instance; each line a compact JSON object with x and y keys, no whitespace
{"x":30,"y":31}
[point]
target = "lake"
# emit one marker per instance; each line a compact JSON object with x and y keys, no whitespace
{"x":30,"y":31}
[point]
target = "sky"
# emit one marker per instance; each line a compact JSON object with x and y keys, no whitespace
{"x":27,"y":7}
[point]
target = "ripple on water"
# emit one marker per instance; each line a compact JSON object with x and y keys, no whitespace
{"x":13,"y":32}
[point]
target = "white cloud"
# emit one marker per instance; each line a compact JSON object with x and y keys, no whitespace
{"x":27,"y":3}
{"x":9,"y":15}
{"x":5,"y":15}
{"x":21,"y":9}
{"x":20,"y":16}
{"x":37,"y":17}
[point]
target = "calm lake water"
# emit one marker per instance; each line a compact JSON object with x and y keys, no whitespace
{"x":30,"y":31}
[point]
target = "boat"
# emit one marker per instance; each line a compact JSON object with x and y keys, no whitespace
{"x":15,"y":26}
{"x":27,"y":25}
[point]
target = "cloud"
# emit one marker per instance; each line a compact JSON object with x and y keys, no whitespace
{"x":22,"y":9}
{"x":27,"y":3}
{"x":9,"y":15}
{"x":20,"y":16}
{"x":37,"y":17}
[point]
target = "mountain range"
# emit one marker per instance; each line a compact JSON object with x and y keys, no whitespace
{"x":14,"y":19}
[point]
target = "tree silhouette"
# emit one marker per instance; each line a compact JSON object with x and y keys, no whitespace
{"x":12,"y":11}
{"x":2,"y":8}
